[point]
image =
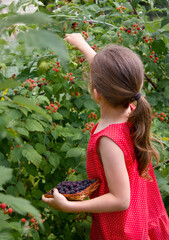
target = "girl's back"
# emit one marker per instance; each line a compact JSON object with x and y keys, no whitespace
{"x":146,"y":217}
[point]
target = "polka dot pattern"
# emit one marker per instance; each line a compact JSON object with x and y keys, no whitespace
{"x":146,"y":217}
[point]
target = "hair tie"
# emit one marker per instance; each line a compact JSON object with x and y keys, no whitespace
{"x":136,"y":96}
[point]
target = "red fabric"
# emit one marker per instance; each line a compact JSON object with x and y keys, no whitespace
{"x":146,"y":217}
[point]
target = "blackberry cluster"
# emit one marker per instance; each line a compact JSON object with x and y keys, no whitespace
{"x":72,"y":187}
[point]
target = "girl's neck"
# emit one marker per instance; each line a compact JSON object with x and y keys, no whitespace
{"x":110,"y":115}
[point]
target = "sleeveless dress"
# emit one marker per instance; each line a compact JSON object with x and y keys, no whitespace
{"x":146,"y":218}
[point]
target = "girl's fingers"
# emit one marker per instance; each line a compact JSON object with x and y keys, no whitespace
{"x":46,"y":200}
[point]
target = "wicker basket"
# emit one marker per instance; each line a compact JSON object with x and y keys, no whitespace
{"x":80,"y":195}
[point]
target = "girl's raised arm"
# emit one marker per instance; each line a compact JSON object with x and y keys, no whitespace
{"x":78,"y":41}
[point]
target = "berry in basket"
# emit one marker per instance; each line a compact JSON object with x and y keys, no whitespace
{"x":76,"y":190}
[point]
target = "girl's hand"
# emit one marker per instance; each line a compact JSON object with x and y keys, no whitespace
{"x":79,"y":42}
{"x":59,"y":202}
{"x":75,"y":39}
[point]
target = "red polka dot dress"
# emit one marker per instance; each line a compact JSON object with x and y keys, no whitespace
{"x":146,"y":217}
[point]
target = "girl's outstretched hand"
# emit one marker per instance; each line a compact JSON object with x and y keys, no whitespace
{"x":59,"y":202}
{"x":75,"y":39}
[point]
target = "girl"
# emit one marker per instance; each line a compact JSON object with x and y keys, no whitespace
{"x":128,"y":204}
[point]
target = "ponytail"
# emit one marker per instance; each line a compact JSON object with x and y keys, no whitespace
{"x":141,"y":119}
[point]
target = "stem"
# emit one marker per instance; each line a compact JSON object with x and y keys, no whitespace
{"x":135,"y":11}
{"x":150,"y":81}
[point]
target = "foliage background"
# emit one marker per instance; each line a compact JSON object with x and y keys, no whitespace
{"x":46,"y":111}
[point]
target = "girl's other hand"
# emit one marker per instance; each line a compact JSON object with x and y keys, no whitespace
{"x":59,"y":202}
{"x":75,"y":39}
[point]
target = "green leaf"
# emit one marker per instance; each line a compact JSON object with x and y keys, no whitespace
{"x":9,"y":84}
{"x":159,"y":46}
{"x":31,"y":154}
{"x":54,"y":160}
{"x":166,"y":92}
{"x":36,"y":193}
{"x":164,"y":21}
{"x":3,"y":41}
{"x":21,"y":188}
{"x":40,"y":148}
{"x":5,"y":175}
{"x":29,"y":103}
{"x":16,"y":154}
{"x":20,"y":205}
{"x":44,"y":39}
{"x":90,"y":104}
{"x":57,"y":116}
{"x":76,"y":152}
{"x":23,"y":131}
{"x":135,"y":2}
{"x":33,"y":125}
{"x":28,"y":19}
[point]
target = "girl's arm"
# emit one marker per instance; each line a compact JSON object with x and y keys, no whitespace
{"x":118,"y":182}
{"x":78,"y":41}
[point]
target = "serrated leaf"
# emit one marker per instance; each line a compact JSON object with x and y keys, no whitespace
{"x":29,"y":19}
{"x":5,"y":175}
{"x":164,"y":21}
{"x":3,"y":41}
{"x":9,"y":84}
{"x":3,"y":216}
{"x":159,"y":46}
{"x":57,"y":116}
{"x":31,"y":154}
{"x":16,"y":154}
{"x":33,"y":125}
{"x":76,"y":152}
{"x":29,"y":103}
{"x":21,"y":188}
{"x":44,"y":39}
{"x":20,"y":205}
{"x":43,"y":99}
{"x":23,"y":131}
{"x":166,"y":92}
{"x":40,"y":148}
{"x":54,"y":160}
{"x":89,"y":104}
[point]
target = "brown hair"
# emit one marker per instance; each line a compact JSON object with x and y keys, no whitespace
{"x":117,"y":73}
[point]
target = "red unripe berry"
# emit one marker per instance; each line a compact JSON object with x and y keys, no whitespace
{"x":54,"y":69}
{"x":151,"y":56}
{"x":43,"y":79}
{"x":156,"y":58}
{"x":57,"y":70}
{"x":135,"y":32}
{"x":87,"y":128}
{"x":128,"y":30}
{"x":71,"y":79}
{"x":154,"y":61}
{"x":84,"y":21}
{"x":5,"y":211}
{"x":72,"y":170}
{"x":121,"y":28}
{"x":84,"y":130}
{"x":134,"y":25}
{"x":163,"y":114}
{"x":23,"y":220}
{"x":3,"y":205}
{"x":155,"y":114}
{"x":71,"y":73}
{"x":32,"y":220}
{"x":10,"y":210}
{"x":138,"y":28}
{"x":152,"y":52}
{"x":77,"y":93}
{"x":58,"y":63}
{"x":158,"y":116}
{"x":89,"y":116}
{"x":146,"y":40}
{"x":11,"y":147}
{"x":52,"y":105}
{"x":161,"y":118}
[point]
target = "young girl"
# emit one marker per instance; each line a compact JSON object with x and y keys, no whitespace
{"x":128,"y":204}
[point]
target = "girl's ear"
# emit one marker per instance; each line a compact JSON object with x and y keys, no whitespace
{"x":96,"y":96}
